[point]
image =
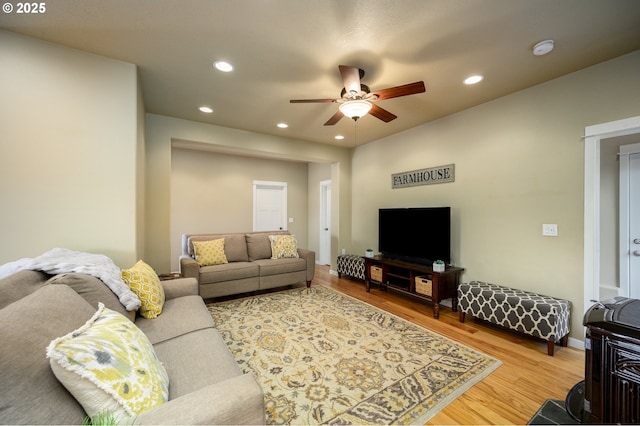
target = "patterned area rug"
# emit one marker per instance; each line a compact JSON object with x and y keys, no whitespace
{"x":322,"y":357}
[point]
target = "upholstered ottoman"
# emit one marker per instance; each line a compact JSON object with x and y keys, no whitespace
{"x":534,"y":314}
{"x":351,"y":265}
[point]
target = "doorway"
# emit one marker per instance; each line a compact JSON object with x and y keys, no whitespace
{"x":594,"y":135}
{"x":269,"y":206}
{"x":324,"y":239}
{"x":630,"y":221}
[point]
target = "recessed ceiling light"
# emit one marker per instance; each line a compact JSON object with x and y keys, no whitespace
{"x":543,"y":47}
{"x":283,"y":125}
{"x":339,"y":137}
{"x":206,"y":109}
{"x":223,"y":66}
{"x":474,"y":79}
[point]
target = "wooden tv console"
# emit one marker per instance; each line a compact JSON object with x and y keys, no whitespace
{"x":401,"y":276}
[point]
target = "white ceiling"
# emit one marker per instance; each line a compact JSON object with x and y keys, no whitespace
{"x":291,"y":49}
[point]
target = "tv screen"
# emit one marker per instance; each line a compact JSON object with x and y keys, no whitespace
{"x":420,"y":235}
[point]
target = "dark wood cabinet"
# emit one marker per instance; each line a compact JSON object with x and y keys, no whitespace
{"x":612,"y":362}
{"x":401,"y":276}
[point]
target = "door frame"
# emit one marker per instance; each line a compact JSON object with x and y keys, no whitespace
{"x":257,"y":184}
{"x":324,"y":253}
{"x":625,"y":261}
{"x":593,"y":137}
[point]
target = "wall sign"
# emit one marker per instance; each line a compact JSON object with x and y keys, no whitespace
{"x":430,"y":176}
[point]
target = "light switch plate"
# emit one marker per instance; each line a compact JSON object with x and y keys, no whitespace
{"x":550,"y":229}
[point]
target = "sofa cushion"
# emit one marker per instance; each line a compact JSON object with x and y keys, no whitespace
{"x":181,"y":316}
{"x":145,"y":284}
{"x":259,"y":245}
{"x":109,"y":364}
{"x":283,"y":246}
{"x":30,"y":393}
{"x":188,"y":373}
{"x":281,"y":266}
{"x":92,"y":290}
{"x":235,"y":245}
{"x":235,"y":248}
{"x":228,"y":272}
{"x":210,"y":252}
{"x":18,"y":285}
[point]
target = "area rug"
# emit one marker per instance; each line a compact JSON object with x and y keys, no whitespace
{"x":322,"y":357}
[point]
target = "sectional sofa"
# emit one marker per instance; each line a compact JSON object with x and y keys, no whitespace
{"x":205,"y":384}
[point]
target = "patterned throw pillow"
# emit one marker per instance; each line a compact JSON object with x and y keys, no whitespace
{"x":108,"y":364}
{"x":210,"y":252}
{"x":283,"y":246}
{"x":145,"y":284}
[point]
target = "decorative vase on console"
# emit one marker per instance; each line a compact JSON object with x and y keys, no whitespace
{"x":368,"y":253}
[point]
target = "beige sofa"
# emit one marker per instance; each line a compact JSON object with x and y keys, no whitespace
{"x":206,"y":386}
{"x":250,"y":266}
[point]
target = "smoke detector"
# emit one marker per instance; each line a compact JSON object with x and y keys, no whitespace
{"x":543,"y":47}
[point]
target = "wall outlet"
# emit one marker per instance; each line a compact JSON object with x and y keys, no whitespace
{"x":550,"y":229}
{"x":344,"y":251}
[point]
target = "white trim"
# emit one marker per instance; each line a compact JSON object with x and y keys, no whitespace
{"x":594,"y":136}
{"x":624,"y":219}
{"x":325,"y":221}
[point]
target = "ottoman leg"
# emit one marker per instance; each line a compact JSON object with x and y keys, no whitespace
{"x":550,"y":347}
{"x":461,"y":316}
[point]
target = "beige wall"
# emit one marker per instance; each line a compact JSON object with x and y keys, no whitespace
{"x":213,"y":192}
{"x":68,"y":151}
{"x":165,"y":134}
{"x":519,"y":164}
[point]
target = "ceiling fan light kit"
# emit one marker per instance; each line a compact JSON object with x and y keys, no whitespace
{"x":355,"y":108}
{"x":357,"y":100}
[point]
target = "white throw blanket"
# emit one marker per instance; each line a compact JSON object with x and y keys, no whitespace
{"x":60,"y":261}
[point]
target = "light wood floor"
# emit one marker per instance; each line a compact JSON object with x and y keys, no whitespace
{"x":511,"y":394}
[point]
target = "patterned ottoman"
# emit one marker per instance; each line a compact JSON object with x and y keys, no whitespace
{"x":534,"y":314}
{"x":351,"y":265}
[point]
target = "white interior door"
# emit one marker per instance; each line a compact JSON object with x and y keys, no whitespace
{"x":324,"y":250}
{"x":630,"y":220}
{"x":269,"y":206}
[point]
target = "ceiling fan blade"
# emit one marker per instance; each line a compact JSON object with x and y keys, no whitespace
{"x":404,"y":90}
{"x":351,"y":78}
{"x":334,"y":118}
{"x":311,"y":101}
{"x":382,"y":113}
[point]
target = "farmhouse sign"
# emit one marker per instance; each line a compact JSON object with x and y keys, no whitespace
{"x":430,"y":176}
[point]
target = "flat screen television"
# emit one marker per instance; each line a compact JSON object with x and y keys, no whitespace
{"x":419,"y":235}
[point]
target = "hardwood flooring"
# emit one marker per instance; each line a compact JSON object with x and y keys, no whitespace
{"x":511,"y":394}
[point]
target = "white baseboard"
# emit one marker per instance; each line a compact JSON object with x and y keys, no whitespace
{"x":575,"y":343}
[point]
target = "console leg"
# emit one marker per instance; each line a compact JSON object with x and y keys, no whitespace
{"x":368,"y":285}
{"x":436,"y":310}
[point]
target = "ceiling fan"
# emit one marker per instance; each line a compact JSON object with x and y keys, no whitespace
{"x":356,"y":99}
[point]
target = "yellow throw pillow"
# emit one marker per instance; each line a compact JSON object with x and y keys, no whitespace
{"x":144,"y":283}
{"x":210,"y":252}
{"x":108,"y":364}
{"x":283,"y":246}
